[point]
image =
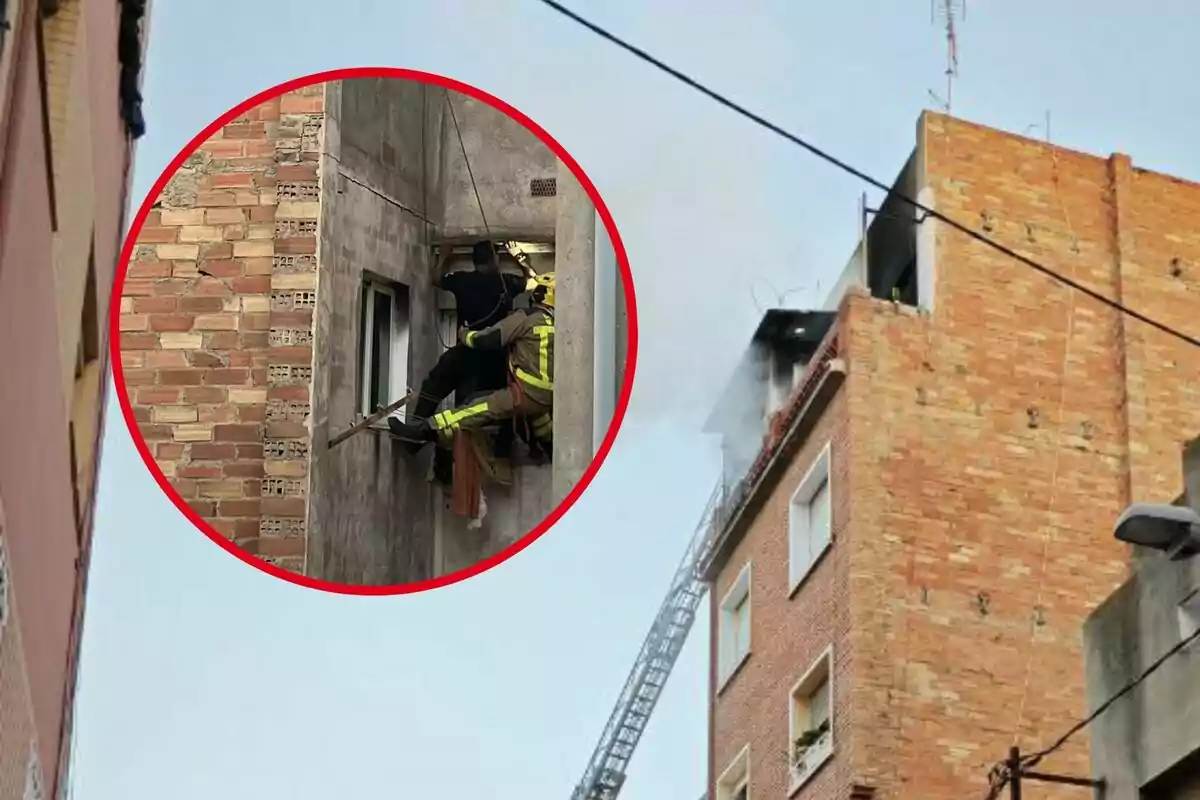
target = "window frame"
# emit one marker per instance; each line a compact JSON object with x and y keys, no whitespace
{"x":735,"y":777}
{"x":740,"y":594}
{"x":804,"y":690}
{"x":818,"y":476}
{"x":398,"y":339}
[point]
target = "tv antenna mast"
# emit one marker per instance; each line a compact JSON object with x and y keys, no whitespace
{"x":950,"y":11}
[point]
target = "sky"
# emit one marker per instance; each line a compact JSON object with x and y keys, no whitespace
{"x":202,"y":677}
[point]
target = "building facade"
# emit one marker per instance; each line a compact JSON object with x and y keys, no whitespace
{"x":916,"y":474}
{"x":281,"y":291}
{"x":1146,"y":745}
{"x":70,"y":110}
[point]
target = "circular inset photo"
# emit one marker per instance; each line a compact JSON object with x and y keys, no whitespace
{"x":376,"y":331}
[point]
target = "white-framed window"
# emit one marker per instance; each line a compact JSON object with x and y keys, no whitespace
{"x":383,"y":345}
{"x":733,"y":632}
{"x":810,"y":519}
{"x":810,"y":722}
{"x":734,"y":782}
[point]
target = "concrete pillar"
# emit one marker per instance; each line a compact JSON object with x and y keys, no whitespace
{"x":1191,"y":473}
{"x":574,"y":335}
{"x":604,"y":353}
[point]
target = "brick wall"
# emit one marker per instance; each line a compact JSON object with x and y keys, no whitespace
{"x":219,"y":368}
{"x":989,"y":448}
{"x":787,"y":636}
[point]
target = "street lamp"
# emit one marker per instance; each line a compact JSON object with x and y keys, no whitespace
{"x":1174,"y":530}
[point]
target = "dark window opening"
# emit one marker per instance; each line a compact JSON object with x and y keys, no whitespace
{"x":892,"y":243}
{"x":383,"y":344}
{"x":129,"y":54}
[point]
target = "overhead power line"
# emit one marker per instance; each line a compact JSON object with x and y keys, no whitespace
{"x":1033,"y":759}
{"x":848,"y":168}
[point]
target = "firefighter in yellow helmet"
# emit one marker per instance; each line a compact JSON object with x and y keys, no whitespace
{"x":528,"y":334}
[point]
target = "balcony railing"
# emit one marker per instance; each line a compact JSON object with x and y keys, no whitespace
{"x":733,"y":495}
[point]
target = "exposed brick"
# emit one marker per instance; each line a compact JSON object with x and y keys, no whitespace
{"x":238,"y":433}
{"x":254,"y":285}
{"x":148,"y":269}
{"x":291,"y":319}
{"x":204,"y":394}
{"x":298,"y":394}
{"x":244,"y":469}
{"x":217,"y":322}
{"x":169,"y":359}
{"x":240,"y":508}
{"x":226,"y":377}
{"x":138,"y":341}
{"x":169,"y":452}
{"x":180,"y":377}
{"x":171,"y":322}
{"x":154,"y":305}
{"x":212,"y":452}
{"x":130,"y":323}
{"x":288,"y":507}
{"x":291,"y":355}
{"x":148,"y":235}
{"x":178,"y":218}
{"x":297,"y":245}
{"x":193,"y":433}
{"x":157,"y":396}
{"x":199,"y":472}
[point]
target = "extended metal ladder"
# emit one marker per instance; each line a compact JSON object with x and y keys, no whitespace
{"x":605,"y":773}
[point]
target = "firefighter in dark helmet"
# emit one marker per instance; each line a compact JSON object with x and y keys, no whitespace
{"x":528,"y":335}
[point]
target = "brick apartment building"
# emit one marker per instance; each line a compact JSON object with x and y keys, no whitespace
{"x":916,"y":529}
{"x":70,"y":109}
{"x":314,"y":218}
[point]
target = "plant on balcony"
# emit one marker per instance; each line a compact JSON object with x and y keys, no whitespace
{"x":806,"y":740}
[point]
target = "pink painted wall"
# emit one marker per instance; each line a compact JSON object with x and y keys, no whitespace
{"x":35,"y":465}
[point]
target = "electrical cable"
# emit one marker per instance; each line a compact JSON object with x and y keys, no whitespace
{"x":1033,"y":759}
{"x":848,"y":168}
{"x":495,"y":259}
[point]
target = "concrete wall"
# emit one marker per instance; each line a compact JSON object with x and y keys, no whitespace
{"x":371,"y":514}
{"x":1157,"y":726}
{"x":504,"y":157}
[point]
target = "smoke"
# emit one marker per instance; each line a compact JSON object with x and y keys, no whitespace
{"x":740,"y":418}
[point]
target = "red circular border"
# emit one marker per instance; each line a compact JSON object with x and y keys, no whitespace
{"x":626,"y":280}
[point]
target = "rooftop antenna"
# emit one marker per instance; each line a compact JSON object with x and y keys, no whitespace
{"x":951,"y":11}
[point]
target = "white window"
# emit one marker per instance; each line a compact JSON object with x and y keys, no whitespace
{"x":734,"y":626}
{"x":734,"y":783}
{"x":383,"y":344}
{"x":810,"y":722}
{"x":810,"y":520}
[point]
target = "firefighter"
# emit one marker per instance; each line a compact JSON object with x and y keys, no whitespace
{"x":528,"y":336}
{"x":482,"y":297}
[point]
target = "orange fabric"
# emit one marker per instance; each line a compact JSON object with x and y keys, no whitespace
{"x":464,"y":497}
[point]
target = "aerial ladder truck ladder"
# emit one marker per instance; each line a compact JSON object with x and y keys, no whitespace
{"x":605,"y":773}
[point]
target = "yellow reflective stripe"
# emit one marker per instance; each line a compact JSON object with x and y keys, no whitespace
{"x":452,"y":419}
{"x":533,"y":380}
{"x":544,"y":332}
{"x":469,"y":339}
